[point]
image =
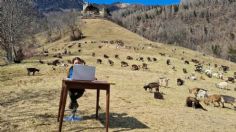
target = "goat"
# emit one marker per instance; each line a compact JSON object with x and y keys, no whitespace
{"x":198,"y":68}
{"x":186,"y":62}
{"x":193,"y":102}
{"x":215,"y":98}
{"x":41,"y":62}
{"x":129,"y":58}
{"x":180,"y":82}
{"x":199,"y":93}
{"x":93,"y":54}
{"x":105,"y":56}
{"x":228,"y":99}
{"x":33,"y":70}
{"x":191,"y":77}
{"x":163,"y":82}
{"x":230,"y":79}
{"x":222,"y":85}
{"x":220,"y":99}
{"x":140,"y":59}
{"x":110,"y":62}
{"x":162,"y":54}
{"x":185,"y":70}
{"x":144,"y":66}
{"x":152,"y":85}
{"x":208,"y":73}
{"x":158,"y":95}
{"x":124,"y":64}
{"x":135,"y":67}
{"x":117,"y":56}
{"x":218,"y":75}
{"x":149,"y":59}
{"x":99,"y":61}
{"x":55,"y":62}
{"x":154,"y":59}
{"x":168,"y":61}
{"x":224,"y":68}
{"x":195,"y":61}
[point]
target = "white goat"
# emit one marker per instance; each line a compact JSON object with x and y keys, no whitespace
{"x":208,"y":72}
{"x":218,"y":75}
{"x":202,"y":94}
{"x":222,"y":85}
{"x":163,"y":82}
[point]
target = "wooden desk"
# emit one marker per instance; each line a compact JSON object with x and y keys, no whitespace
{"x":71,"y":84}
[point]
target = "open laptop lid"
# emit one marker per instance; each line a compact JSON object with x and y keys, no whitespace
{"x":83,"y":72}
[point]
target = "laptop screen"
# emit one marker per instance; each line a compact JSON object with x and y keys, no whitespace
{"x":83,"y":72}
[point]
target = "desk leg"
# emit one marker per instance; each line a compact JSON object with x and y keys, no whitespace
{"x":97,"y":102}
{"x":63,"y":108}
{"x":61,"y":98}
{"x":107,"y":108}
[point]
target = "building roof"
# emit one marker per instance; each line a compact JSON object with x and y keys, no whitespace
{"x":91,"y":8}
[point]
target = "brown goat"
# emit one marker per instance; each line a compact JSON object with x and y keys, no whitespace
{"x":99,"y":61}
{"x":93,"y":54}
{"x":168,"y":61}
{"x":186,"y":62}
{"x":129,"y":58}
{"x":117,"y":56}
{"x":110,"y":62}
{"x":135,"y":67}
{"x":105,"y":56}
{"x":124,"y":64}
{"x":144,"y":66}
{"x":154,"y":59}
{"x":149,"y":59}
{"x":215,"y":98}
{"x":231,"y":79}
{"x":185,"y":70}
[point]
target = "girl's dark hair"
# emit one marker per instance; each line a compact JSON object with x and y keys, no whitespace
{"x":77,"y":58}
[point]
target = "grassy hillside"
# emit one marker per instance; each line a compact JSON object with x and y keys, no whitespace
{"x":30,"y":103}
{"x":196,"y":24}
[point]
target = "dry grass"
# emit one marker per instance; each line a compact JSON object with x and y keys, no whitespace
{"x":30,"y":103}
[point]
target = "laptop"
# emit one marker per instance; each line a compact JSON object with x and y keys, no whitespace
{"x":83,"y":72}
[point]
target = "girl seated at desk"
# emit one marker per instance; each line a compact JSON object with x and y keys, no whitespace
{"x":74,"y":93}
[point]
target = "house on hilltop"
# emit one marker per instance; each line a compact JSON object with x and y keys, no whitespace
{"x":93,"y":11}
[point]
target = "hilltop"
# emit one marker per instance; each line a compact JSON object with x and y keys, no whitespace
{"x":30,"y":103}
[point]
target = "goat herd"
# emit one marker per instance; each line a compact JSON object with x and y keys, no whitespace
{"x":200,"y":94}
{"x":125,"y":64}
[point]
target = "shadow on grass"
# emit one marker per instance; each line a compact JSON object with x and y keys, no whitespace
{"x":122,"y":121}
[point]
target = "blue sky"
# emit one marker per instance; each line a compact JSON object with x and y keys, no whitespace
{"x":145,"y":2}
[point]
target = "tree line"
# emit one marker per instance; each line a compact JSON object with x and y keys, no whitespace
{"x":206,"y":26}
{"x":20,"y":21}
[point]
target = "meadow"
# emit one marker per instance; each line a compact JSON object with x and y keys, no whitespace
{"x":30,"y":103}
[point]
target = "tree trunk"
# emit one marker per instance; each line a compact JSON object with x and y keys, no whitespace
{"x":9,"y":55}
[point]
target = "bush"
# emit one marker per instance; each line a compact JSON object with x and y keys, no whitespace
{"x":76,"y":35}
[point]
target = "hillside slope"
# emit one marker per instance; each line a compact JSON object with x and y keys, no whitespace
{"x":206,"y":26}
{"x":30,"y":103}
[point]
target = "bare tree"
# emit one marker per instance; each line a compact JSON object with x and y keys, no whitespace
{"x":58,"y":23}
{"x":16,"y":20}
{"x":71,"y":20}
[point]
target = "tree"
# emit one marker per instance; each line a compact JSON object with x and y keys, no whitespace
{"x":58,"y":23}
{"x":16,"y":25}
{"x":70,"y":19}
